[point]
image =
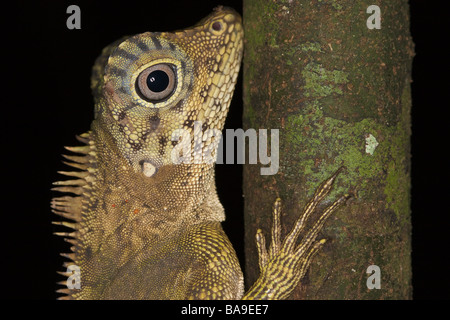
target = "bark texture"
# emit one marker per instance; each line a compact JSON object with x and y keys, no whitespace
{"x":340,"y":95}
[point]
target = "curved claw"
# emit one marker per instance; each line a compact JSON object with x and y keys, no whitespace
{"x":321,"y":192}
{"x":276,"y":228}
{"x":314,"y":231}
{"x":284,"y":265}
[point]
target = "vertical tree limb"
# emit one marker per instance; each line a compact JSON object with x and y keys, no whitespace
{"x":340,"y":94}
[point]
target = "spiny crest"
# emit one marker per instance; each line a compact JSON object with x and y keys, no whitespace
{"x":70,"y":207}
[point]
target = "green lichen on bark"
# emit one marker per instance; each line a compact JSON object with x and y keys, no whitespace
{"x":320,"y":82}
{"x":314,"y":70}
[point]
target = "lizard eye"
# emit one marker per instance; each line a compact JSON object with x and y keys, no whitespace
{"x":157,"y":82}
{"x":217,"y":26}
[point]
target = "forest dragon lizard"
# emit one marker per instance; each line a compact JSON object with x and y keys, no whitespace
{"x":145,"y":227}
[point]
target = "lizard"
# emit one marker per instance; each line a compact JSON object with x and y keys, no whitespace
{"x":145,"y":226}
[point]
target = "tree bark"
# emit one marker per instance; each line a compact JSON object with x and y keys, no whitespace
{"x":339,"y":93}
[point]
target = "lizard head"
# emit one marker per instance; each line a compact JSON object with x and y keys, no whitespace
{"x":156,"y":93}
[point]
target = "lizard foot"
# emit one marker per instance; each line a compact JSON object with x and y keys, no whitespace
{"x":285,"y":263}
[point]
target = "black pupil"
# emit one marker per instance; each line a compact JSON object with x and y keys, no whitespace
{"x":157,"y":81}
{"x":217,"y":26}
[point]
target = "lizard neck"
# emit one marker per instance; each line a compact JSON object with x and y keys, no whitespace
{"x":159,"y":204}
{"x":121,"y":212}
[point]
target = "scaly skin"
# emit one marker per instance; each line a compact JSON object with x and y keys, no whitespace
{"x":146,"y":226}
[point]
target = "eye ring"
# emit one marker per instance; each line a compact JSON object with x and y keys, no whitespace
{"x":157,"y":83}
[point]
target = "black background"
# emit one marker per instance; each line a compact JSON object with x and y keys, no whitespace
{"x":46,"y":74}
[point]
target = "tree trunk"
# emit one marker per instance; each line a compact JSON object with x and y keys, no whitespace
{"x":339,"y":93}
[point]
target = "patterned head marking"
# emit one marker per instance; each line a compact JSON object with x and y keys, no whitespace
{"x":149,"y":85}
